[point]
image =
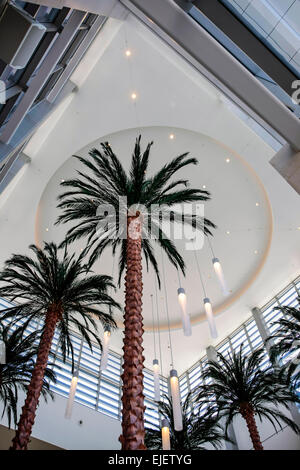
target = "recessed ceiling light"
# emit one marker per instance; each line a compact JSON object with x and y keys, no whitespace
{"x":228,"y":233}
{"x":171,"y":136}
{"x":257,"y":204}
{"x":133,"y":96}
{"x":204,"y":187}
{"x":128,"y":52}
{"x":227,"y":160}
{"x":62,"y":181}
{"x":255,"y":252}
{"x":47,"y":230}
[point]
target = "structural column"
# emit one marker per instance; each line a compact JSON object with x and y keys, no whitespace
{"x":212,"y":356}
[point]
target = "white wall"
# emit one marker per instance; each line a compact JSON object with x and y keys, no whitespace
{"x":97,"y":431}
{"x":100,"y":432}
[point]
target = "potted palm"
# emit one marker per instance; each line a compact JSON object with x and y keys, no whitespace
{"x":241,"y":387}
{"x":59,"y":291}
{"x":105,"y":184}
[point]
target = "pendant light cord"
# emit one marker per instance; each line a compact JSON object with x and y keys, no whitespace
{"x":154,"y":340}
{"x":158,"y":329}
{"x":76,"y":370}
{"x":210,"y":246}
{"x":167,"y":309}
{"x":200,"y":275}
{"x":178,"y":278}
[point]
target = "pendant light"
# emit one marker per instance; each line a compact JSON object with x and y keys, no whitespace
{"x":105,"y":348}
{"x":2,"y":353}
{"x":73,"y":387}
{"x":165,"y":435}
{"x":218,"y":270}
{"x":155,"y":361}
{"x":207,"y":305}
{"x":174,"y":382}
{"x":186,"y":322}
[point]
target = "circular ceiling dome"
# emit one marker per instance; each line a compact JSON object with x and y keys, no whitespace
{"x":239,"y":207}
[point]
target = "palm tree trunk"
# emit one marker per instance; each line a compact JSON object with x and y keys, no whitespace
{"x":133,"y":432}
{"x":21,"y":439}
{"x":248,"y":415}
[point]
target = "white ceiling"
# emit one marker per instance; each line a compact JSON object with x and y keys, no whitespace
{"x":239,"y":205}
{"x":172,"y":97}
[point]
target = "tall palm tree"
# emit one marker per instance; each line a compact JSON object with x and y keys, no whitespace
{"x":286,"y":342}
{"x":198,"y":428}
{"x":113,"y":208}
{"x":16,"y":371}
{"x":60,"y":292}
{"x":240,"y":386}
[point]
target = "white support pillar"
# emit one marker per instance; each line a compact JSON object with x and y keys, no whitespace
{"x":262,"y":328}
{"x":211,"y":354}
{"x":265,"y":333}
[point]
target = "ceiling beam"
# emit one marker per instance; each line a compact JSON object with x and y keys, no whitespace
{"x":198,"y":47}
{"x":43,"y":73}
{"x":248,"y":42}
{"x":100,"y":7}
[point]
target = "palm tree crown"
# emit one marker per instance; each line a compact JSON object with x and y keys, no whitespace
{"x":15,"y":373}
{"x":286,"y":339}
{"x":48,"y":280}
{"x":240,"y":386}
{"x":198,"y":428}
{"x":106,"y":181}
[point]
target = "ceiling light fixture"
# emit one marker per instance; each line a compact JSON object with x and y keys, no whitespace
{"x":174,"y":382}
{"x":227,"y":160}
{"x":128,"y":52}
{"x":171,"y":136}
{"x":207,"y":305}
{"x":218,"y":270}
{"x":73,"y":387}
{"x":165,"y":435}
{"x":186,"y":322}
{"x":105,"y":350}
{"x":133,"y":96}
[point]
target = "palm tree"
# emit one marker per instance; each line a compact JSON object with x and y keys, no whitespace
{"x":60,"y":292}
{"x":16,"y":371}
{"x":113,"y":208}
{"x":286,"y":341}
{"x":198,"y":428}
{"x":240,"y":386}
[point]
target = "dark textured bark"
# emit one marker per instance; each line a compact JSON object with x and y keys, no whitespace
{"x":133,"y":432}
{"x":248,"y":415}
{"x":21,"y":439}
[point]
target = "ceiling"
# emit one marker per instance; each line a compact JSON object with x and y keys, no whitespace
{"x":239,"y":207}
{"x":259,"y":255}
